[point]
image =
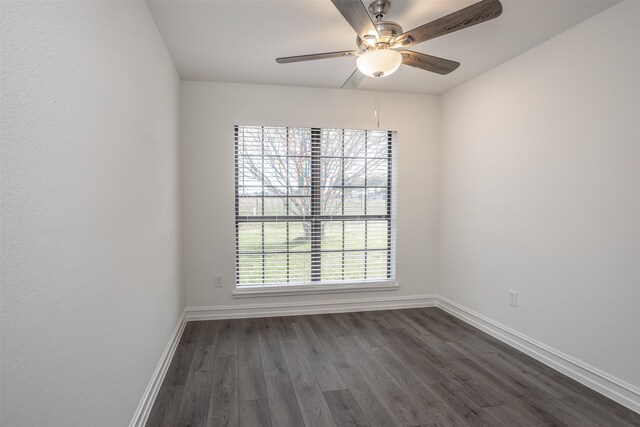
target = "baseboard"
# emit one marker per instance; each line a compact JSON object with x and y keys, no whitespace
{"x":144,"y":408}
{"x":614,"y":388}
{"x":302,"y":308}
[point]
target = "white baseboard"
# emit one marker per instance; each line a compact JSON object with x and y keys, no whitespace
{"x":614,"y":388}
{"x":144,"y":408}
{"x":302,"y":308}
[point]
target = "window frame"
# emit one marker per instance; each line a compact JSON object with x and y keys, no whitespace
{"x":316,"y":218}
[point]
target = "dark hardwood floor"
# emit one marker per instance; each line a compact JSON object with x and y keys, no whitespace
{"x":416,"y":367}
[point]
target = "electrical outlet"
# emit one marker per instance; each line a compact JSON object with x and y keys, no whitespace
{"x":218,"y":282}
{"x":513,"y":298}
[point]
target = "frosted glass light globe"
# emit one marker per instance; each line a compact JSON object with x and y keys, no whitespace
{"x":379,"y":62}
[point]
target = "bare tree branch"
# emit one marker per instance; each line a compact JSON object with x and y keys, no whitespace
{"x":287,"y":168}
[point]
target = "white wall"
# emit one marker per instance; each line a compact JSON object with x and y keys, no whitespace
{"x":90,"y":245}
{"x":541,"y":192}
{"x":208,"y":113}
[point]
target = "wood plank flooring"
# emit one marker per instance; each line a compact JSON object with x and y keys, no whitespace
{"x":416,"y":367}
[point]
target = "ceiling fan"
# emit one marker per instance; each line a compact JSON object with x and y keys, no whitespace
{"x":382,"y":44}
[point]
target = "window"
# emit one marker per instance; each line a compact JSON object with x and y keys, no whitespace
{"x":314,"y":206}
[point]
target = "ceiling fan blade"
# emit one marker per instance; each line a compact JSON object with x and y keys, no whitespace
{"x":428,"y":62}
{"x":354,"y":80}
{"x":357,"y":16}
{"x":300,"y":58}
{"x":463,"y":18}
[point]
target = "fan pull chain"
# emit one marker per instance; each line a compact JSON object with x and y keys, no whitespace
{"x":376,"y":111}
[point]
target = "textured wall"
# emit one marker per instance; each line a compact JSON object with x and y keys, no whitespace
{"x":541,"y":192}
{"x":208,"y":113}
{"x":90,"y":246}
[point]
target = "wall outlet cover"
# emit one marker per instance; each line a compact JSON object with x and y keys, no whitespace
{"x":513,"y":298}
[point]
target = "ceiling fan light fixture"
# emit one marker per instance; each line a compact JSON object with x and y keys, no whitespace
{"x":379,"y":62}
{"x":384,"y":43}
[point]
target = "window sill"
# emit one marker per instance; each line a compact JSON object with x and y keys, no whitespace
{"x":286,"y":290}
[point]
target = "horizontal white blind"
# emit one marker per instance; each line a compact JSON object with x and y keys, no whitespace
{"x":314,"y":205}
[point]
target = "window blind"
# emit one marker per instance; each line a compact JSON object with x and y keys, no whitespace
{"x":314,"y":206}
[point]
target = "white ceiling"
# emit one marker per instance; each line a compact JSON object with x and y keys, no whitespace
{"x":238,"y":40}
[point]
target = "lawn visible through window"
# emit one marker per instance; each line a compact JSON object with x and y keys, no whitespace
{"x":314,"y":206}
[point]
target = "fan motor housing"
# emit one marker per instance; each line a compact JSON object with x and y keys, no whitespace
{"x":388,"y":32}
